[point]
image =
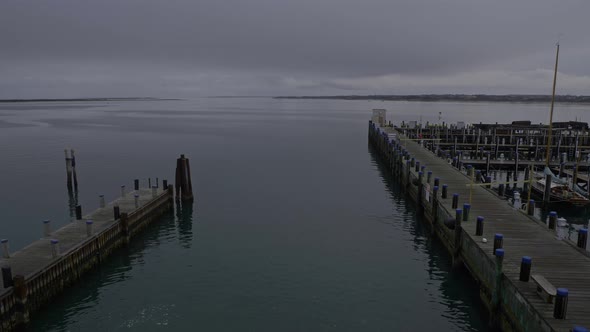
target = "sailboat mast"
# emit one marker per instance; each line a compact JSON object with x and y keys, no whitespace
{"x":551,"y":113}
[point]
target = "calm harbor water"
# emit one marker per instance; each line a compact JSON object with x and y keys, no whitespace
{"x":295,"y":226}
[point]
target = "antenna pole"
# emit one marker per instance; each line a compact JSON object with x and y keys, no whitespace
{"x":551,"y":113}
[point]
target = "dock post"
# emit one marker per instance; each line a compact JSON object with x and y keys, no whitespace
{"x":116,"y":212}
{"x":5,"y":250}
{"x":552,"y":219}
{"x":123,"y":191}
{"x":437,"y":182}
{"x":501,"y":190}
{"x":531,"y":207}
{"x":434,"y":201}
{"x":478,"y":176}
{"x":136,"y":200}
{"x":579,"y":329}
{"x":78,"y":212}
{"x":7,"y":276}
{"x":487,"y":163}
{"x":184,"y":187}
{"x":89,"y":228}
{"x":412,"y":162}
{"x":488,"y":182}
{"x":428,"y":177}
{"x":479,"y":226}
{"x":165,"y":184}
{"x":54,"y":248}
{"x":417,"y":168}
{"x":498,"y":242}
{"x":455,"y":202}
{"x":101,"y":201}
{"x":497,"y":293}
{"x":466,"y":209}
{"x":125,"y":227}
{"x":582,"y":238}
{"x":69,"y":170}
{"x":136,"y":184}
{"x":561,"y":300}
{"x":527,"y":176}
{"x":22,"y":306}
{"x":46,"y":227}
{"x":458,"y":231}
{"x":149,"y":182}
{"x":525,"y":268}
{"x":547,"y":194}
{"x":157,"y":183}
{"x":444,"y":191}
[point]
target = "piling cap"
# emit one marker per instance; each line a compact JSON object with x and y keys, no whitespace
{"x":469,"y":166}
{"x":499,"y":252}
{"x":89,"y":222}
{"x":100,"y":195}
{"x":455,"y":195}
{"x":136,"y":195}
{"x":435,"y":188}
{"x":579,"y":329}
{"x":525,"y":259}
{"x":553,"y":214}
{"x":4,"y":241}
{"x":480,"y":218}
{"x":532,"y":201}
{"x":498,"y":236}
{"x":459,"y":211}
{"x":122,"y":186}
{"x":46,"y":221}
{"x":420,"y":173}
{"x":54,"y":241}
{"x":466,"y":206}
{"x":583,"y":231}
{"x":562,"y":292}
{"x":429,"y":172}
{"x":437,"y":179}
{"x":477,"y":171}
{"x":444,"y":185}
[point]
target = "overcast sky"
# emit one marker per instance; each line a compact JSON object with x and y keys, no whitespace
{"x":184,"y":48}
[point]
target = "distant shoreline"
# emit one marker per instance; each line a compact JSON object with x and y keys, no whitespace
{"x":460,"y":97}
{"x":81,"y":99}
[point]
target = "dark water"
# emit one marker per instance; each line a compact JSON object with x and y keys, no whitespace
{"x":295,"y":226}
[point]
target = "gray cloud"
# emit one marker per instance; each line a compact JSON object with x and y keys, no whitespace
{"x":263,"y":47}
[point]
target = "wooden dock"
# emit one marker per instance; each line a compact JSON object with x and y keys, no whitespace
{"x":34,"y":275}
{"x":514,"y":304}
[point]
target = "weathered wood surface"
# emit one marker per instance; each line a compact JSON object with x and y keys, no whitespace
{"x":557,"y":260}
{"x":38,"y":254}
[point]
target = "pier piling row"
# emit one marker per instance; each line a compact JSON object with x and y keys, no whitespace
{"x":492,"y":254}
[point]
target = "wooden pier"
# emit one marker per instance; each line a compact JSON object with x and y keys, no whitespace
{"x":37,"y":273}
{"x":514,"y":305}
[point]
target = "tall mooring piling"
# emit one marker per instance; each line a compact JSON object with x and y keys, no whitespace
{"x":550,"y":295}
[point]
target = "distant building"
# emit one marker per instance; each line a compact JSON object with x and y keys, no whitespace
{"x":379,"y":117}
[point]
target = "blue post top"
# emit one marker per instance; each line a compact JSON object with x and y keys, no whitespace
{"x":4,"y":241}
{"x":46,"y":221}
{"x":477,"y":171}
{"x":583,"y":231}
{"x":89,"y":222}
{"x":412,"y":158}
{"x":579,"y":329}
{"x":459,"y":211}
{"x":469,"y":166}
{"x":526,"y":260}
{"x":54,"y":241}
{"x":466,"y":206}
{"x":444,"y":185}
{"x":552,"y":214}
{"x":408,"y":162}
{"x":499,"y":252}
{"x":455,"y":194}
{"x":488,"y":179}
{"x":420,"y":173}
{"x":562,"y":292}
{"x":532,"y":201}
{"x":435,"y":188}
{"x":498,"y":236}
{"x":100,"y":195}
{"x":136,"y":195}
{"x":423,"y":167}
{"x":480,"y":218}
{"x":429,"y":172}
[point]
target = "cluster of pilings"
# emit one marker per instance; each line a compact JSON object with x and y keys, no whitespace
{"x":569,"y":141}
{"x":431,"y":193}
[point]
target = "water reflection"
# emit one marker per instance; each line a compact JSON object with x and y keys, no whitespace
{"x":453,"y":288}
{"x":184,"y":219}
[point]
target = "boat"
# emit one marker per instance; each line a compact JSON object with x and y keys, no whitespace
{"x":560,"y":192}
